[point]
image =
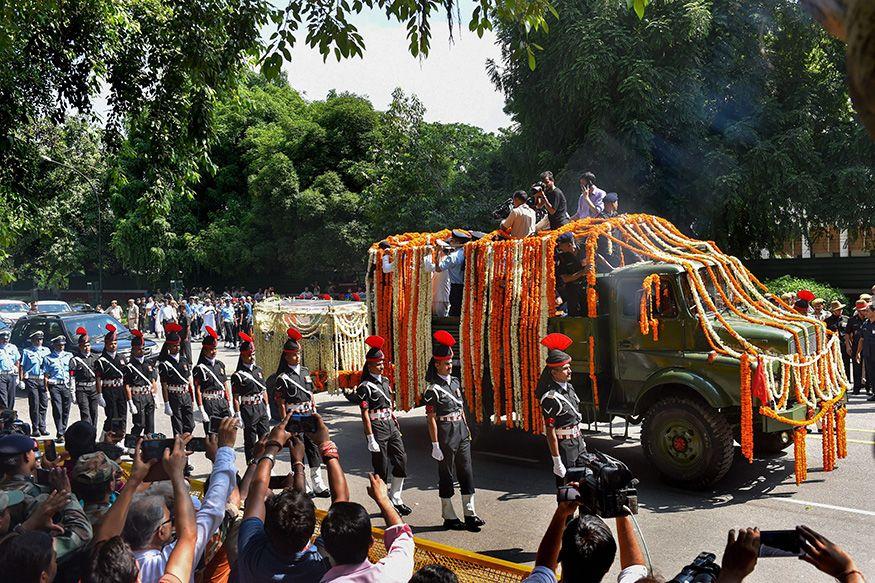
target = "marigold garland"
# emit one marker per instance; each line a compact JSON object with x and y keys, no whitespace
{"x":800,"y":463}
{"x":746,"y":409}
{"x":592,"y":377}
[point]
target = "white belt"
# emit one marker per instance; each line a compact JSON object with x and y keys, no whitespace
{"x":457,"y":416}
{"x":141,"y":391}
{"x":9,"y":372}
{"x":567,"y":432}
{"x":380,"y":414}
{"x":33,"y":376}
{"x":90,"y":383}
{"x":177,"y":388}
{"x":113,"y":382}
{"x":213,"y":395}
{"x":54,"y":382}
{"x":253,"y":400}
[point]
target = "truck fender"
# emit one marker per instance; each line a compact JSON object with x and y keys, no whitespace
{"x":684,"y":380}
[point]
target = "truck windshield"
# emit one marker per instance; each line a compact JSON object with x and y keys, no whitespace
{"x":710,"y":288}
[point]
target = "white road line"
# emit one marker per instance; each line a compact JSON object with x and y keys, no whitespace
{"x":827,"y":506}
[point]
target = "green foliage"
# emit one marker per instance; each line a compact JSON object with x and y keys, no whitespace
{"x":788,"y":283}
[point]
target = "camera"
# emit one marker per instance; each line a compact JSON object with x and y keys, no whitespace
{"x":605,"y":486}
{"x":703,"y":569}
{"x":536,"y":189}
{"x":10,"y":423}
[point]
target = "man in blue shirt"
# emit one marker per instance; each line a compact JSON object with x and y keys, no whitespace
{"x":10,"y":370}
{"x":56,"y":368}
{"x":227,"y":314}
{"x":34,"y":383}
{"x":454,"y":264}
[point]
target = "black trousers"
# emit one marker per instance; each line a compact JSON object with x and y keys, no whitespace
{"x":858,"y":375}
{"x":869,"y":369}
{"x":214,"y":408}
{"x":391,"y":452}
{"x":846,"y":361}
{"x":456,"y":292}
{"x":8,"y":384}
{"x":116,"y":405}
{"x":571,"y":453}
{"x":61,"y":401}
{"x":573,"y":296}
{"x":255,"y":426}
{"x":230,"y":337}
{"x":182,"y":417}
{"x":455,"y":442}
{"x":37,"y":403}
{"x":185,"y":348}
{"x":144,"y":420}
{"x":311,"y":452}
{"x":86,"y":400}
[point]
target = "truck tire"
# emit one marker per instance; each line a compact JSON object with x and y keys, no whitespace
{"x":690,"y":445}
{"x":771,"y":443}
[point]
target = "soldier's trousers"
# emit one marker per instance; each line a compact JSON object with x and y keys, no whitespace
{"x":869,"y":368}
{"x":182,"y":417}
{"x":455,"y":444}
{"x":61,"y":400}
{"x":144,"y":420}
{"x":858,"y":375}
{"x":391,"y":452}
{"x":8,"y":384}
{"x":86,"y":400}
{"x":37,"y":403}
{"x":214,"y":408}
{"x":255,"y":425}
{"x":116,"y":405}
{"x":571,"y":453}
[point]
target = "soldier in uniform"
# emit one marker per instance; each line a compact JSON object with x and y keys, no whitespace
{"x":110,"y":372}
{"x":18,"y":462}
{"x":84,"y":379}
{"x":560,"y":407}
{"x":184,"y":320}
{"x":449,"y":433}
{"x":294,"y":389}
{"x":92,"y":479}
{"x":866,"y":350}
{"x":250,"y":394}
{"x":377,"y":401}
{"x":175,"y":374}
{"x":10,"y":370}
{"x":32,"y":370}
{"x":856,"y":322}
{"x":837,"y":322}
{"x":211,"y":387}
{"x":570,"y":274}
{"x":57,"y":375}
{"x":141,"y":379}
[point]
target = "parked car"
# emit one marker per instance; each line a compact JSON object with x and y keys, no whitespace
{"x":82,"y":308}
{"x":4,"y":326}
{"x":95,"y":323}
{"x":52,"y":307}
{"x":12,"y":310}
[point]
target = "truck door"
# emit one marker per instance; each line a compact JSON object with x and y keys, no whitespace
{"x":639,"y":356}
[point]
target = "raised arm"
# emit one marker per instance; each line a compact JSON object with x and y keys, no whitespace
{"x":331,"y":458}
{"x":551,"y":543}
{"x":276,"y":440}
{"x":114,"y":520}
{"x":181,"y":560}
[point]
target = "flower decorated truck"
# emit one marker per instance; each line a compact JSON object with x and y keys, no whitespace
{"x":683,"y":340}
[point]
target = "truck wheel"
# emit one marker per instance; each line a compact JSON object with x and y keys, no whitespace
{"x":688,"y":442}
{"x":771,"y":443}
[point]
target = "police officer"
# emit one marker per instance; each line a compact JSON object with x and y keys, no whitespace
{"x":212,"y":389}
{"x":294,"y":391}
{"x":855,"y":323}
{"x":866,"y":350}
{"x":110,"y":372}
{"x":449,"y":433}
{"x":560,"y":407}
{"x":837,"y":322}
{"x":10,"y":370}
{"x":84,"y":378}
{"x":250,"y":396}
{"x":141,"y":379}
{"x":377,"y":401}
{"x":57,"y":375}
{"x":570,"y":273}
{"x":32,"y":371}
{"x":175,"y":374}
{"x":18,"y":463}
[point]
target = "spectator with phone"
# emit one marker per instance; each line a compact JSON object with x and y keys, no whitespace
{"x":274,"y":537}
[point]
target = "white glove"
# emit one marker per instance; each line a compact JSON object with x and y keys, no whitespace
{"x":373,"y":446}
{"x":198,"y":416}
{"x":101,"y":401}
{"x":436,"y":452}
{"x":558,"y":466}
{"x":132,"y":408}
{"x":167,"y":409}
{"x":20,"y":384}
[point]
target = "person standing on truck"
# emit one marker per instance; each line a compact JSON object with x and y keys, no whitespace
{"x":608,"y":253}
{"x":450,"y":436}
{"x":570,"y":273}
{"x":866,"y":350}
{"x":377,"y":402}
{"x":553,"y":199}
{"x":560,"y":407}
{"x":592,"y":198}
{"x":454,"y":264}
{"x":520,"y":223}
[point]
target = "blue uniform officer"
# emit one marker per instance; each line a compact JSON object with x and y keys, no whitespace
{"x":454,"y":264}
{"x":10,"y":370}
{"x":57,"y":374}
{"x":33,"y":374}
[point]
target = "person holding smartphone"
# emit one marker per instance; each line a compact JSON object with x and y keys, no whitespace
{"x":250,"y":396}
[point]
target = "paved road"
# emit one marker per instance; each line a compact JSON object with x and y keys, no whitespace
{"x":516,"y":495}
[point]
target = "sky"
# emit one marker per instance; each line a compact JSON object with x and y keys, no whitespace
{"x":451,"y":82}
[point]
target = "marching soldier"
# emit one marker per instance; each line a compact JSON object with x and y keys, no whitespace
{"x":449,"y":433}
{"x":10,"y":370}
{"x":109,"y":370}
{"x":560,"y":407}
{"x":211,"y":387}
{"x":383,"y":434}
{"x":84,"y":379}
{"x":175,"y":374}
{"x":32,"y":370}
{"x":250,"y":394}
{"x":294,"y":388}
{"x":57,"y":378}
{"x":140,"y":384}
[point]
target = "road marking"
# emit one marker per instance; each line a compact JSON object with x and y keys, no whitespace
{"x":849,"y":440}
{"x":827,"y":506}
{"x":508,"y":457}
{"x":860,"y":430}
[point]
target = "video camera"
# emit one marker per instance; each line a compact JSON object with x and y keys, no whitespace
{"x":10,"y":423}
{"x":605,"y":486}
{"x":703,"y":569}
{"x":536,"y":189}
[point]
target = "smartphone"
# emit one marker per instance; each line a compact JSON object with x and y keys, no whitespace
{"x":215,"y":422}
{"x":277,"y":482}
{"x":301,"y":424}
{"x":779,"y":543}
{"x":42,"y":476}
{"x":153,"y":449}
{"x":131,"y":441}
{"x":197,"y":444}
{"x":49,"y":450}
{"x":117,"y":425}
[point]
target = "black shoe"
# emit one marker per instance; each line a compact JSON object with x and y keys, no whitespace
{"x":454,"y":524}
{"x":59,"y":439}
{"x":473,"y":523}
{"x":43,"y":432}
{"x":188,"y":470}
{"x":34,"y":433}
{"x":322,"y":494}
{"x":403,"y":509}
{"x":872,"y":398}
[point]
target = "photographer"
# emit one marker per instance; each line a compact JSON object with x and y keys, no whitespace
{"x":520,"y":223}
{"x":550,"y":197}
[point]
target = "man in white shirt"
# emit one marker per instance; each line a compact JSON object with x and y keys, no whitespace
{"x":115,"y":310}
{"x":520,"y":223}
{"x":591,"y":201}
{"x":133,"y":315}
{"x":168,"y":312}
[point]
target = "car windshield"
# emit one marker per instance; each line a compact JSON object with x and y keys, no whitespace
{"x":16,"y":307}
{"x":52,"y":307}
{"x":96,"y":325}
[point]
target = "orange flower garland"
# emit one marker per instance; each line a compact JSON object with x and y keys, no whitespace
{"x":592,"y":378}
{"x":841,"y":433}
{"x":746,"y":409}
{"x":800,"y":463}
